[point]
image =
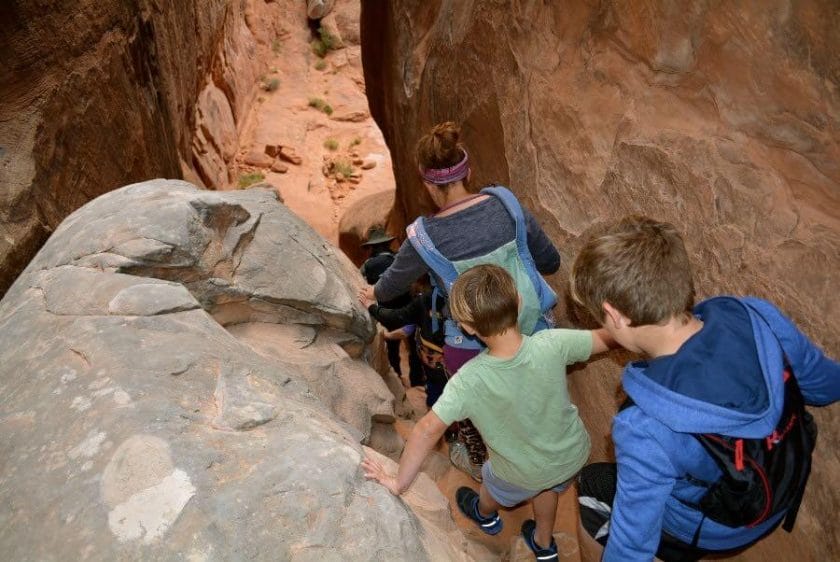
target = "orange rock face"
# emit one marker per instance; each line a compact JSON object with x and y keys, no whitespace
{"x":96,"y":95}
{"x":721,"y":118}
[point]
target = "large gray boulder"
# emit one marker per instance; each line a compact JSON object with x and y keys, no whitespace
{"x":137,"y":427}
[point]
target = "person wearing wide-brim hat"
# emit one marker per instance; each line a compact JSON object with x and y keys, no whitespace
{"x":381,"y":258}
{"x":377,"y":236}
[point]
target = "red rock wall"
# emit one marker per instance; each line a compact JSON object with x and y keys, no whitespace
{"x":723,"y":118}
{"x":95,"y":95}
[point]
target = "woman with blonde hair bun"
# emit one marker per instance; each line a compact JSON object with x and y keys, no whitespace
{"x":470,"y":229}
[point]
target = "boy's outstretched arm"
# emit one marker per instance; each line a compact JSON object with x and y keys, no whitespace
{"x":602,"y":341}
{"x":422,"y":440}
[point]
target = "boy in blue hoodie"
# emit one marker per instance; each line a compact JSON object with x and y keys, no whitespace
{"x":712,"y":368}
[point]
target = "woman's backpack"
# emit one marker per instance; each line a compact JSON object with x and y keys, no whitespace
{"x":537,"y":297}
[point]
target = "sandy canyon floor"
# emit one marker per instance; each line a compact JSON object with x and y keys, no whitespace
{"x":293,"y":115}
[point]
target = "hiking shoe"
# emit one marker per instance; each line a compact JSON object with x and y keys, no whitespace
{"x":467,"y":500}
{"x":459,"y":456}
{"x":529,"y":529}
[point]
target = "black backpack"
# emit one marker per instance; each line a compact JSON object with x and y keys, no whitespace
{"x":761,"y":477}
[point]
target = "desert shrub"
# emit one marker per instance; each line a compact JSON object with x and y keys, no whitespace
{"x":329,"y":40}
{"x":318,"y":48}
{"x":321,"y":105}
{"x":343,"y":167}
{"x":247,"y":180}
{"x":325,"y":43}
{"x":331,"y":144}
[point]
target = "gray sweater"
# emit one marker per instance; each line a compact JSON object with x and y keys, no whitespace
{"x":468,"y":233}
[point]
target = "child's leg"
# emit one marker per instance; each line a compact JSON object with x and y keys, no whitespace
{"x":393,"y":348}
{"x":416,"y":375}
{"x":545,"y":511}
{"x":486,"y":504}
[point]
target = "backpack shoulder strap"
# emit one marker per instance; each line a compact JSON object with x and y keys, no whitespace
{"x":436,"y":311}
{"x":514,"y":208}
{"x":427,"y":251}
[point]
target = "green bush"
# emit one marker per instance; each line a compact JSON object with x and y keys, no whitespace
{"x":343,"y":167}
{"x":327,"y":42}
{"x":321,"y":65}
{"x":320,"y":105}
{"x":318,"y":48}
{"x":247,"y":180}
{"x":331,"y":144}
{"x":272,"y":85}
{"x":356,"y":141}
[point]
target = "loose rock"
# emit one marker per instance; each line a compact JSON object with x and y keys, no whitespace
{"x":288,"y":154}
{"x":258,"y":159}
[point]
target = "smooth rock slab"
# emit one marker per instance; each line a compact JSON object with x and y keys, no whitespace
{"x":136,"y":427}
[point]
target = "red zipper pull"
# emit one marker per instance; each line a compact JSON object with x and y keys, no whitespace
{"x":739,"y":454}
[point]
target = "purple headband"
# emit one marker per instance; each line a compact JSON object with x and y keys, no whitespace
{"x":442,"y":176}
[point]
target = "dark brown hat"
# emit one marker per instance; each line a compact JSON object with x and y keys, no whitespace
{"x":377,"y":235}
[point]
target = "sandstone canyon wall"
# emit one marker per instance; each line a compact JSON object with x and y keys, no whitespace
{"x":723,"y":118}
{"x":95,"y":95}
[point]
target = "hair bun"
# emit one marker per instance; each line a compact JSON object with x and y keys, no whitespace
{"x":440,"y":147}
{"x":447,"y":133}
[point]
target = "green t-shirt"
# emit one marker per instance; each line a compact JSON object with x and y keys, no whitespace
{"x":521,"y":407}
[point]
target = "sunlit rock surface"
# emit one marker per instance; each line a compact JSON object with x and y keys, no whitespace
{"x":136,"y":426}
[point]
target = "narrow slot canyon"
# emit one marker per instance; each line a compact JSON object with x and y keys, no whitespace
{"x":319,"y":113}
{"x":187,"y":371}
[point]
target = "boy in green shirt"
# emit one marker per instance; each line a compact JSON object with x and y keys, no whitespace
{"x":515,"y":393}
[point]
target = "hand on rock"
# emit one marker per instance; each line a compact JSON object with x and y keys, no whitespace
{"x":375,"y":471}
{"x":366,"y":296}
{"x":397,"y":334}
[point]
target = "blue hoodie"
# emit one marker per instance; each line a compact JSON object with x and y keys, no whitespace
{"x":726,"y":379}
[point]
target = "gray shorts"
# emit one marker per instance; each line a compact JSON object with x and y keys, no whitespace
{"x":509,"y":494}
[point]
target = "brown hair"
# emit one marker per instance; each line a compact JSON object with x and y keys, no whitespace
{"x":485,"y":297}
{"x":440,"y":147}
{"x":639,"y":266}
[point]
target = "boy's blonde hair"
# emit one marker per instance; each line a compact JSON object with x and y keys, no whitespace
{"x":639,"y":266}
{"x":485,"y":297}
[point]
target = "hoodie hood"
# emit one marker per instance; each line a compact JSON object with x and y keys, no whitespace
{"x":725,"y":379}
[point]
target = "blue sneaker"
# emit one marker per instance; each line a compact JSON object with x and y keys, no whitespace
{"x":467,"y":500}
{"x":529,"y":528}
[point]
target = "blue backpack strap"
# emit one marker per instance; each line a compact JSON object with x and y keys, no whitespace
{"x":424,"y":246}
{"x":443,"y":269}
{"x":511,"y":203}
{"x":435,"y":312}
